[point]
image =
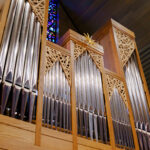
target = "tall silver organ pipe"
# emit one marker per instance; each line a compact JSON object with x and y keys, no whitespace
{"x":19,"y":54}
{"x":56,"y":99}
{"x":35,"y":60}
{"x":7,"y":35}
{"x":14,"y":42}
{"x":90,"y":101}
{"x":121,"y":123}
{"x":138,"y":101}
{"x":22,"y":45}
{"x":29,"y":53}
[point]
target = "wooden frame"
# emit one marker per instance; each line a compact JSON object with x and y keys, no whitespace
{"x":110,"y":28}
{"x":68,"y":39}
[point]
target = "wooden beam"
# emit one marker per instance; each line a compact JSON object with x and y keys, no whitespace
{"x":108,"y":112}
{"x":41,"y":79}
{"x":73,"y":99}
{"x":3,"y":17}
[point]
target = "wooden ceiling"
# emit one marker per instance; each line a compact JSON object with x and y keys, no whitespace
{"x":90,"y":15}
{"x":87,"y":16}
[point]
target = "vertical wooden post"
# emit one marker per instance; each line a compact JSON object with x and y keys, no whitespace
{"x":73,"y":99}
{"x":3,"y":18}
{"x":108,"y":112}
{"x":41,"y":79}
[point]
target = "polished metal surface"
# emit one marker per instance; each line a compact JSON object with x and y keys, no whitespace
{"x":138,"y":101}
{"x":89,"y":99}
{"x":29,"y":53}
{"x":19,"y":68}
{"x":56,"y":99}
{"x":19,"y":54}
{"x":121,"y":123}
{"x":14,"y":42}
{"x":7,"y":35}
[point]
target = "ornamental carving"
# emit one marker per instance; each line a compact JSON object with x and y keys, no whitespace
{"x":38,"y":7}
{"x":97,"y":58}
{"x":53,"y":55}
{"x":125,"y":45}
{"x":112,"y":83}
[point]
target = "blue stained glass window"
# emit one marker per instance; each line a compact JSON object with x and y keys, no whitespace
{"x":52,"y":27}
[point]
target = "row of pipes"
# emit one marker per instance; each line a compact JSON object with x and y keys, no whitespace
{"x":121,"y":122}
{"x":91,"y":119}
{"x":19,"y":58}
{"x":138,"y":102}
{"x":56,"y":99}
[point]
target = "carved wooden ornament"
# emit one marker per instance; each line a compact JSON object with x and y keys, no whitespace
{"x":112,"y":83}
{"x":52,"y":56}
{"x":38,"y":7}
{"x":125,"y":45}
{"x":97,"y":58}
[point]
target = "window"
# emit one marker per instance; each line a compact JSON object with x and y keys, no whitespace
{"x":52,"y":27}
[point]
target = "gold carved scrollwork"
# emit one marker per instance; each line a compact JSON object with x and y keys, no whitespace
{"x":97,"y":58}
{"x":112,"y":83}
{"x":125,"y":44}
{"x":52,"y":56}
{"x":38,"y":7}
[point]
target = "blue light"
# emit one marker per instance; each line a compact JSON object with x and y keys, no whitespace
{"x":52,"y":27}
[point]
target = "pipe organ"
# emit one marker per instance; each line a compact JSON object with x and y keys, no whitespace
{"x":19,"y":55}
{"x":121,"y":122}
{"x":82,"y":94}
{"x":56,"y":100}
{"x":91,"y":120}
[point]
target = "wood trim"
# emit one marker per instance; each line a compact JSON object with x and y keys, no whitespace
{"x":93,"y":144}
{"x":108,"y":112}
{"x":41,"y":79}
{"x":122,"y":28}
{"x":80,"y":39}
{"x":114,"y":74}
{"x":57,"y":47}
{"x":4,"y":18}
{"x":73,"y":98}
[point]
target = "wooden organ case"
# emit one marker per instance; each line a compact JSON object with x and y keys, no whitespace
{"x":83,"y":98}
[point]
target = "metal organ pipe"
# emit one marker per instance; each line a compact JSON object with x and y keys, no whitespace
{"x":14,"y":43}
{"x":20,"y":56}
{"x":121,"y":124}
{"x":90,"y":101}
{"x":7,"y":35}
{"x":22,"y":46}
{"x":56,"y":97}
{"x":138,"y":101}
